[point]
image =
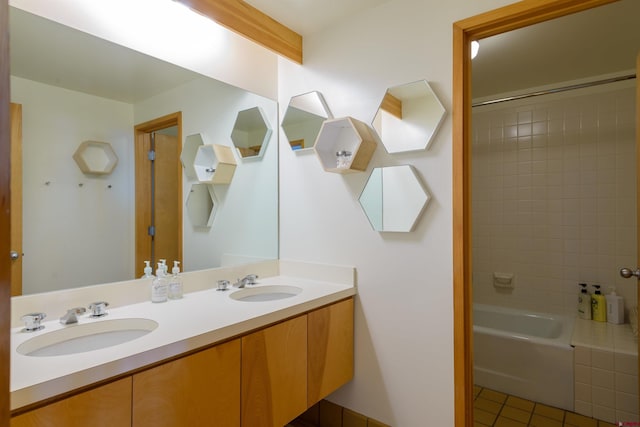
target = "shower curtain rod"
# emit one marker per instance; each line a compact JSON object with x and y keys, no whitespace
{"x":556,"y":90}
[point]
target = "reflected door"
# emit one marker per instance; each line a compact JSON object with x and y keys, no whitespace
{"x":16,"y":199}
{"x":158,"y":192}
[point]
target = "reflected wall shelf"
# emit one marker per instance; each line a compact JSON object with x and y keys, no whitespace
{"x":201,"y":205}
{"x":214,"y":164}
{"x":345,"y":135}
{"x":188,"y":155}
{"x":95,"y":158}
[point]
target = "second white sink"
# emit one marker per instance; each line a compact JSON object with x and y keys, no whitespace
{"x":86,"y":337}
{"x":266,"y":293}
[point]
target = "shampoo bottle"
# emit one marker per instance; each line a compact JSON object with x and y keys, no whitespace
{"x":584,"y":302}
{"x":159,"y":286}
{"x":615,"y":307}
{"x":175,"y":282}
{"x":147,"y":271}
{"x":598,"y":305}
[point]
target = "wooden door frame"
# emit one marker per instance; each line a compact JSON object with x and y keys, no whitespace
{"x":16,"y":197}
{"x":5,"y":216}
{"x":143,"y":206}
{"x":498,"y":21}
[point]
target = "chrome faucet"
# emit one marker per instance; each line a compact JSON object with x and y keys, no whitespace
{"x":32,"y":322}
{"x":98,"y":309}
{"x":249,"y":279}
{"x":71,"y":316}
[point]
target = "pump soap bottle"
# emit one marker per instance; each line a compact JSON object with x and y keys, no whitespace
{"x":159,"y":286}
{"x":148,"y":271}
{"x":615,"y":307}
{"x":584,"y":302}
{"x":598,"y":305}
{"x":175,"y":282}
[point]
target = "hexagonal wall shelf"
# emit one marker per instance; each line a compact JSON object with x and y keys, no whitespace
{"x":214,"y":164}
{"x":409,"y":117}
{"x":345,"y":145}
{"x":303,"y":119}
{"x":394,"y":198}
{"x":95,"y":158}
{"x":201,"y":205}
{"x":188,"y":154}
{"x":251,"y":132}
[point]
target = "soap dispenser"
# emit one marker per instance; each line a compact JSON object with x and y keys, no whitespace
{"x":148,"y":270}
{"x":159,"y":286}
{"x":175,"y":282}
{"x":584,"y":302}
{"x":598,"y":305}
{"x":615,"y":307}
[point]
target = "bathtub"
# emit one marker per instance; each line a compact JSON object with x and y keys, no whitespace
{"x":526,"y":354}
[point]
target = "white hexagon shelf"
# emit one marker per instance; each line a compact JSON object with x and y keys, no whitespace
{"x":408,"y":117}
{"x":214,"y":164}
{"x":251,"y":133}
{"x":345,"y":145}
{"x":394,"y":198}
{"x":303,"y":119}
{"x":188,"y":154}
{"x":95,"y":158}
{"x":201,"y":205}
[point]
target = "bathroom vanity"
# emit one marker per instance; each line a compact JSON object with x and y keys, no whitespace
{"x":212,"y":360}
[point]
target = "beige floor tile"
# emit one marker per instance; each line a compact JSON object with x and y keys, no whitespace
{"x":476,"y":390}
{"x":477,"y":424}
{"x":496,"y":396}
{"x":605,"y":424}
{"x":484,"y":417}
{"x":508,"y":422}
{"x":549,"y":412}
{"x":515,"y":414}
{"x":353,"y":419}
{"x":540,"y":421}
{"x":577,"y":420}
{"x":517,"y":402}
{"x":374,"y":423}
{"x":487,"y":405}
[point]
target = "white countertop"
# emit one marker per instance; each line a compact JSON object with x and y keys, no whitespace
{"x":199,"y":319}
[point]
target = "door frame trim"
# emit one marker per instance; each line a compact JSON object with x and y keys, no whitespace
{"x":142,"y":206}
{"x":511,"y":17}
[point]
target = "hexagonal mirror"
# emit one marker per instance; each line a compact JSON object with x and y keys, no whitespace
{"x":201,"y":205}
{"x":394,"y":198}
{"x":303,"y":119}
{"x":95,"y":158}
{"x":251,"y":132}
{"x":188,"y":154}
{"x":408,"y":117}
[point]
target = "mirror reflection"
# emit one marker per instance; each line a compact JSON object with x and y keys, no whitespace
{"x":100,"y":92}
{"x":408,"y":117}
{"x":201,"y":205}
{"x":303,"y":119}
{"x":394,"y":198}
{"x":251,"y":133}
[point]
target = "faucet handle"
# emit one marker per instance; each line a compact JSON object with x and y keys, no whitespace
{"x":250,"y":279}
{"x":32,"y":321}
{"x":98,"y":309}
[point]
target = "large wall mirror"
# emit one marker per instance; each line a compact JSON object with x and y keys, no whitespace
{"x":79,"y":230}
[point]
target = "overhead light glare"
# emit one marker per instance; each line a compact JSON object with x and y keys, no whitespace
{"x":475,"y":46}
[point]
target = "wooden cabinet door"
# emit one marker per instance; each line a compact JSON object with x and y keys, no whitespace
{"x":106,"y":406}
{"x":202,"y":389}
{"x":329,"y":349}
{"x":274,"y":374}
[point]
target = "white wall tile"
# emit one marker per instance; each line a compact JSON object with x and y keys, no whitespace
{"x":626,"y":364}
{"x":602,"y":359}
{"x":603,"y":378}
{"x":627,"y":402}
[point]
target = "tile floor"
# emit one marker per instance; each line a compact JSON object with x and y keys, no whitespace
{"x":495,"y":409}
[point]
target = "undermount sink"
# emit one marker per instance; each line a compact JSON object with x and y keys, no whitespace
{"x":266,"y":293}
{"x":86,"y":337}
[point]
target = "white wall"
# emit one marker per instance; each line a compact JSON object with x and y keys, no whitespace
{"x":553,"y":185}
{"x":54,"y":123}
{"x":404,"y":310}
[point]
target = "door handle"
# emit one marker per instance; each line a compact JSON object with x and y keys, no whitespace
{"x":627,"y":272}
{"x":14,"y":255}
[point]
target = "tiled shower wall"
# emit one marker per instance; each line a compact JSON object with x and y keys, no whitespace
{"x":554,"y":189}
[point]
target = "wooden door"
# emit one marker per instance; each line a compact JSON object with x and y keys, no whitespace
{"x":16,"y":199}
{"x":202,"y":389}
{"x":158,"y":193}
{"x":274,"y":374}
{"x":108,"y":405}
